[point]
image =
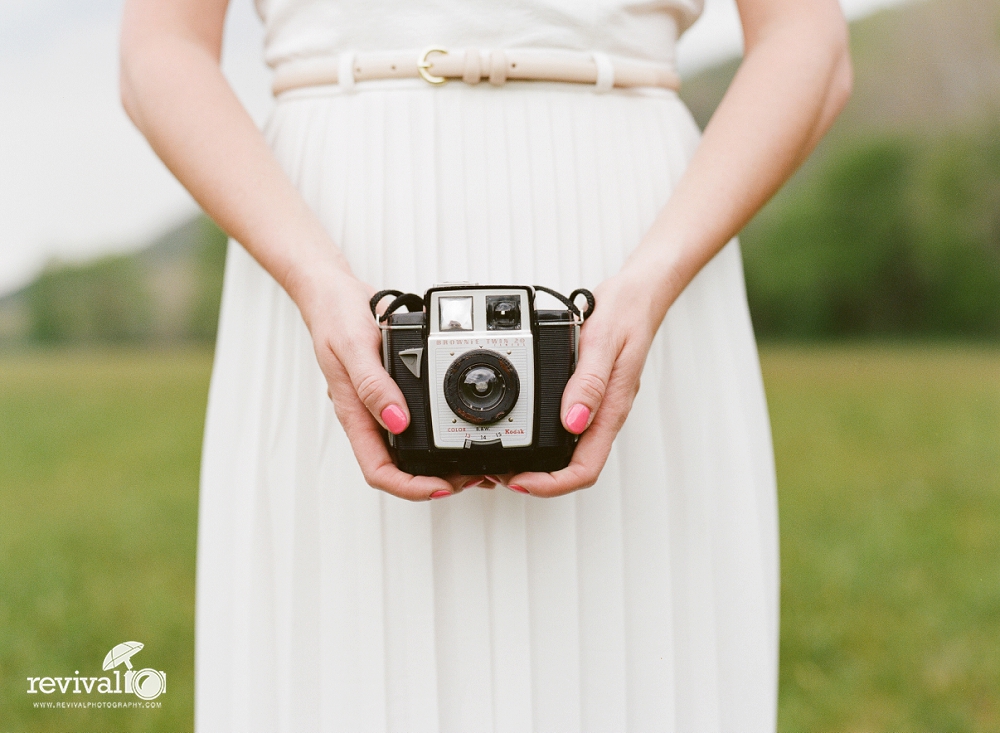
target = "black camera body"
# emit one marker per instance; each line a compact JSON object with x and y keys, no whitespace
{"x":483,"y":373}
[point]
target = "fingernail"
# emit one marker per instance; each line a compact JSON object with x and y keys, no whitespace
{"x":577,"y":417}
{"x":440,"y":494}
{"x":495,"y":479}
{"x":472,"y":482}
{"x":521,"y":489}
{"x":394,"y":419}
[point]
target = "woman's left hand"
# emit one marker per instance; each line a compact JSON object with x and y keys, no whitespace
{"x":614,"y":342}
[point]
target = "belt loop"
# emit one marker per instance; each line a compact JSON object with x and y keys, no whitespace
{"x":345,"y":70}
{"x":605,"y":73}
{"x":473,"y":71}
{"x":498,"y":67}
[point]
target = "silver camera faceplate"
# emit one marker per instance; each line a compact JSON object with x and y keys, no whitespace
{"x":516,"y":345}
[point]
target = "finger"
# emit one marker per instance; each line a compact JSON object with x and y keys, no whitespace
{"x":355,"y":417}
{"x":582,"y":472}
{"x":375,"y":462}
{"x":371,"y":452}
{"x":375,"y":388}
{"x":381,"y":473}
{"x":504,"y":480}
{"x":585,"y":390}
{"x":461,"y":482}
{"x":593,"y":448}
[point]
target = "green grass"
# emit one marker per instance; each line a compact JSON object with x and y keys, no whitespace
{"x":98,"y":514}
{"x":889,"y":484}
{"x":889,"y":472}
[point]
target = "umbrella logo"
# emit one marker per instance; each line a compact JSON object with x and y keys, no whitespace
{"x":146,"y":684}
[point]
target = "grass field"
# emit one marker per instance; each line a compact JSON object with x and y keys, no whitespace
{"x":889,"y":474}
{"x":889,"y":485}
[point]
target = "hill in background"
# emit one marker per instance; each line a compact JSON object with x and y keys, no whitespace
{"x":892,"y":227}
{"x":919,"y":68}
{"x":167,"y":292}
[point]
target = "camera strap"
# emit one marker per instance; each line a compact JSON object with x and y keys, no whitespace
{"x":568,"y":302}
{"x":414,"y":303}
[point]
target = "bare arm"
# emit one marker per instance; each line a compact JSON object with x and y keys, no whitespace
{"x":794,"y":80}
{"x":175,"y":93}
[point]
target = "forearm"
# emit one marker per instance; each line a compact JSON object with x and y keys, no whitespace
{"x":793,"y":82}
{"x":174,"y":91}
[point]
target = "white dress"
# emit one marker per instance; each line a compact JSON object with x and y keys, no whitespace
{"x":648,"y":602}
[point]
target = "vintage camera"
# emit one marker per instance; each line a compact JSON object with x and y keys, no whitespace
{"x":483,"y":373}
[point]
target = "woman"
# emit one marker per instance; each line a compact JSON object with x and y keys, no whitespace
{"x":648,"y":602}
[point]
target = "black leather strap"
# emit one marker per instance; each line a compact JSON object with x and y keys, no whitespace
{"x":411,"y":301}
{"x":568,"y":302}
{"x":377,"y":298}
{"x":589,"y":296}
{"x":414,"y":302}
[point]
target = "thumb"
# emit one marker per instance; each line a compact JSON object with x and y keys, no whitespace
{"x":379,"y":393}
{"x":585,"y":389}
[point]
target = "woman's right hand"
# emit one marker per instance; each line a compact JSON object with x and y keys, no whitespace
{"x":347,"y":340}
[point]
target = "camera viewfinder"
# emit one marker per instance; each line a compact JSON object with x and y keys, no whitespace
{"x":503,"y":312}
{"x":455,"y":313}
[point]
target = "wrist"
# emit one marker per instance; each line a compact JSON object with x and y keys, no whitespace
{"x":315,"y":285}
{"x":653,"y":275}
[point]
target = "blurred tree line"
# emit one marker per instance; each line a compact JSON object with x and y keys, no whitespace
{"x":892,"y":228}
{"x":892,"y":236}
{"x":888,"y":236}
{"x":101,"y":301}
{"x":169,"y":292}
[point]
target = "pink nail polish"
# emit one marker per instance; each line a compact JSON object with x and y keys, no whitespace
{"x":521,"y":489}
{"x":495,"y":479}
{"x":577,"y":417}
{"x":440,"y":494}
{"x":394,"y":419}
{"x":471,"y":483}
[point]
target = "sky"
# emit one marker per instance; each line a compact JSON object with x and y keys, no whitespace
{"x":77,"y":180}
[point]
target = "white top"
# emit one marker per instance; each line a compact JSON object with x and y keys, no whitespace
{"x":305,"y":28}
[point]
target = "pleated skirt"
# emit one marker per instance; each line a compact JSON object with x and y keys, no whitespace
{"x":648,"y":602}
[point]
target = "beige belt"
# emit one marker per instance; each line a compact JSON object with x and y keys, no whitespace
{"x":438,"y":65}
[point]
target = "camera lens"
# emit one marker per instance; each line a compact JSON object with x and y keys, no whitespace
{"x":503,"y":312}
{"x":481,"y":386}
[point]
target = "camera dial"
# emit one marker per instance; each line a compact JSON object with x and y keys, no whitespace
{"x":481,"y":386}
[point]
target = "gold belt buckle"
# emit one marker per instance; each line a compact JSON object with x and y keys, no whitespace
{"x":423,"y":65}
